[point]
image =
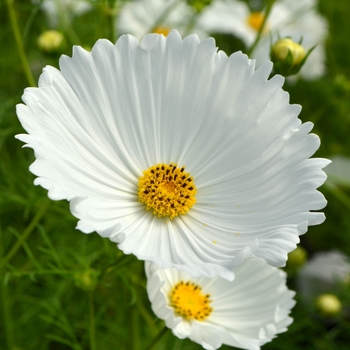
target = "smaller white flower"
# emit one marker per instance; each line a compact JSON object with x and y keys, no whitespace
{"x":322,"y":272}
{"x":56,"y":9}
{"x":339,"y":171}
{"x":140,"y":17}
{"x":288,"y":18}
{"x":246,"y":313}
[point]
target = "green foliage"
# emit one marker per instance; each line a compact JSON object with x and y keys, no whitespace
{"x":61,"y":289}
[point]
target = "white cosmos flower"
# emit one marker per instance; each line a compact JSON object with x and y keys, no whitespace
{"x":140,"y":17}
{"x":322,"y":273}
{"x":288,"y":18}
{"x":246,"y":313}
{"x":67,"y":9}
{"x":109,"y":115}
{"x":339,"y":171}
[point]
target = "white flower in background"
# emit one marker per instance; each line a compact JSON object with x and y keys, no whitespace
{"x":114,"y":129}
{"x":64,"y":9}
{"x":140,"y":17}
{"x":339,"y":171}
{"x":288,"y":18}
{"x":246,"y":313}
{"x":322,"y":273}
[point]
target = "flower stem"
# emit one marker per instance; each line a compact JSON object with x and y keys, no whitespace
{"x":5,"y":303}
{"x":135,"y":340}
{"x":162,"y":17}
{"x":340,"y":195}
{"x":92,"y":330}
{"x":158,"y":338}
{"x":261,"y":29}
{"x":19,"y":43}
{"x":29,"y":229}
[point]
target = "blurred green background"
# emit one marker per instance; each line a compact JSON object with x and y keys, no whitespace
{"x":61,"y":289}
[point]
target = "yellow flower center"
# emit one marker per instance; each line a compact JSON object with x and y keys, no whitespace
{"x":161,"y":30}
{"x":255,"y":20}
{"x":190,"y":302}
{"x":167,"y":189}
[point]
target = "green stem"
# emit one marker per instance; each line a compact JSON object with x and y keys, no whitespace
{"x":120,"y":262}
{"x":19,"y":43}
{"x":92,"y":330}
{"x":158,"y":338}
{"x":109,"y":11}
{"x":25,"y":234}
{"x":135,"y":339}
{"x":340,"y":195}
{"x":261,"y":29}
{"x":160,"y":20}
{"x":5,"y":306}
{"x":68,"y":28}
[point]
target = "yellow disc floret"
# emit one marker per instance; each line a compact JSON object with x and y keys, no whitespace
{"x":189,"y":301}
{"x":256,"y":20}
{"x":167,"y":189}
{"x":161,"y":30}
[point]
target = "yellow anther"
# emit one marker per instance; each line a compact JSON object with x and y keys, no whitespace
{"x":162,"y":30}
{"x":255,"y":20}
{"x":189,"y":301}
{"x":167,"y":189}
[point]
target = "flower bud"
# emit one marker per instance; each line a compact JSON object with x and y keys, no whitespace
{"x":199,"y":5}
{"x":87,"y":279}
{"x":297,"y":257}
{"x":288,"y":56}
{"x":328,"y":304}
{"x":50,"y":41}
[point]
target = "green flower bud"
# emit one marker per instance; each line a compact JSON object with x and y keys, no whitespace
{"x":50,"y":41}
{"x":288,"y":56}
{"x":297,"y":257}
{"x":87,"y":279}
{"x":199,"y":5}
{"x":328,"y":304}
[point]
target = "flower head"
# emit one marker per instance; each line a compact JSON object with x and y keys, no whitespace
{"x":329,"y":304}
{"x":50,"y":41}
{"x":297,"y":257}
{"x":288,"y":56}
{"x":66,"y":9}
{"x":183,"y":156}
{"x":141,"y":17}
{"x":246,"y":313}
{"x":288,"y":18}
{"x":322,"y":273}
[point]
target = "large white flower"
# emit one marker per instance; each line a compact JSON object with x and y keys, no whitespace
{"x":246,"y":313}
{"x":113,"y":129}
{"x":295,"y":19}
